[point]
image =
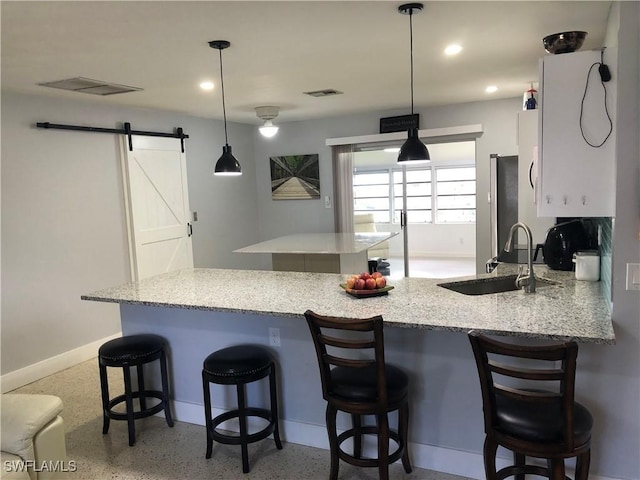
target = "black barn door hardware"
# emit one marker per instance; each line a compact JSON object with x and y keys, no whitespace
{"x":179,"y":133}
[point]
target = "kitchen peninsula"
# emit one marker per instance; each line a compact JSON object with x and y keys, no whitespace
{"x":320,"y":252}
{"x":201,"y":310}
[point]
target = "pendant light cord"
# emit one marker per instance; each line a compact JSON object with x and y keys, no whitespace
{"x":224,"y":110}
{"x":411,"y":48}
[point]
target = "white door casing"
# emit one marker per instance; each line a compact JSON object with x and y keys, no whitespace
{"x":157,"y":206}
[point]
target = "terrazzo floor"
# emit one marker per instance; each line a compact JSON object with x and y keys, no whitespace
{"x":176,"y":453}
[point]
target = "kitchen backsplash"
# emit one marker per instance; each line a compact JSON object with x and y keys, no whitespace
{"x":605,"y":225}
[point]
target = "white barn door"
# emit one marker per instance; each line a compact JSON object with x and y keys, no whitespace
{"x":157,"y":206}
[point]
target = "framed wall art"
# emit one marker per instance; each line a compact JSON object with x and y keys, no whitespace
{"x":295,"y":177}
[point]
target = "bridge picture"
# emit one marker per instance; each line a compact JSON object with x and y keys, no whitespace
{"x":295,"y":177}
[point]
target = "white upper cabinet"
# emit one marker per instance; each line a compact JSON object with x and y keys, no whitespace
{"x":574,"y":178}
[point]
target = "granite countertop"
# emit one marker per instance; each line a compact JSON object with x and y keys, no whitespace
{"x":320,"y":243}
{"x":569,"y":310}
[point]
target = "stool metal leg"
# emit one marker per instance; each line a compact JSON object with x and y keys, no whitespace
{"x":356,"y":422}
{"x":141,"y":398}
{"x":207,"y":414}
{"x":165,"y":389}
{"x":104,"y":387}
{"x":274,"y":407}
{"x":242,"y":418}
{"x":129,"y":402}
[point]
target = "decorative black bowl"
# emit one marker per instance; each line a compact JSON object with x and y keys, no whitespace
{"x":565,"y":42}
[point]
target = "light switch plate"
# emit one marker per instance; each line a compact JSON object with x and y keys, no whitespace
{"x":327,"y":201}
{"x":633,"y":276}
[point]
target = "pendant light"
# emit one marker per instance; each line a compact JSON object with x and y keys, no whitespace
{"x":413,"y":149}
{"x":227,"y":163}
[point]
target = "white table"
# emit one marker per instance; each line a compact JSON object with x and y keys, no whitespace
{"x":320,"y":252}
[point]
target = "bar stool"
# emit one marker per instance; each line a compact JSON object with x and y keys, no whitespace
{"x":531,"y":417}
{"x":359,"y":385}
{"x":239,"y":365}
{"x":126,"y":352}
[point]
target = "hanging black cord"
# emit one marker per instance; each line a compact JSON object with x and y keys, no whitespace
{"x":586,"y":87}
{"x":411,"y":48}
{"x":224,"y":110}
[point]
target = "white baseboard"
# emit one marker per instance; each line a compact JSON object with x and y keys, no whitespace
{"x":24,"y":376}
{"x":439,"y":459}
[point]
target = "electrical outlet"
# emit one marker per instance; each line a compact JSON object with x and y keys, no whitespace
{"x":633,"y":276}
{"x":327,"y":201}
{"x":274,"y":337}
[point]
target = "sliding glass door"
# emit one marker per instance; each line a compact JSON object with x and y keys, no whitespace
{"x":431,"y":205}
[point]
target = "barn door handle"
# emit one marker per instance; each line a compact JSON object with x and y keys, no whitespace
{"x":190,"y":228}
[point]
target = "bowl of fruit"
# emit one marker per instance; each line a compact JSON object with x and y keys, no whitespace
{"x":366,"y":285}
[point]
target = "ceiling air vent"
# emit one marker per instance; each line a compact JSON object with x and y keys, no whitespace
{"x":87,"y":85}
{"x":323,"y":93}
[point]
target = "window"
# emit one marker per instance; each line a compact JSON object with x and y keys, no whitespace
{"x":418,"y":195}
{"x":447,"y":194}
{"x":455,"y":195}
{"x":371,"y":194}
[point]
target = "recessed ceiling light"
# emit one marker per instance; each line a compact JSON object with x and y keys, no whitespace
{"x":491,"y":89}
{"x":452,"y":49}
{"x":206,"y":85}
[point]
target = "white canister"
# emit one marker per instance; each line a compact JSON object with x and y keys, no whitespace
{"x":587,"y":265}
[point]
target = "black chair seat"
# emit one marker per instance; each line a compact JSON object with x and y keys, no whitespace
{"x":238,"y":361}
{"x":360,"y":384}
{"x":131,"y":348}
{"x":240,"y":365}
{"x":540,"y":422}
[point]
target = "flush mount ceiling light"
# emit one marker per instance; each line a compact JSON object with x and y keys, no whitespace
{"x":413,"y":149}
{"x":452,"y":49}
{"x":227,"y":163}
{"x":267,"y":113}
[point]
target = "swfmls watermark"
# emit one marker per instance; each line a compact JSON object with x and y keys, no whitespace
{"x":57,"y":466}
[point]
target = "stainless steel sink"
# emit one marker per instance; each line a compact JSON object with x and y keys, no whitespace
{"x":484,"y":286}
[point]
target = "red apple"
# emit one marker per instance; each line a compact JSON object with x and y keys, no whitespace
{"x":381,"y":282}
{"x":365,"y":275}
{"x":376,"y":274}
{"x":359,"y":285}
{"x":370,"y":283}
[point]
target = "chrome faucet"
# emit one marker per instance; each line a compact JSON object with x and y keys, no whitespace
{"x":528,"y":280}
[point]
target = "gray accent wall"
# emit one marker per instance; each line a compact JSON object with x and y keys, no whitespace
{"x":63,"y":224}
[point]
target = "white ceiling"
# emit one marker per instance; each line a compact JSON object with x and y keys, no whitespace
{"x":281,"y":49}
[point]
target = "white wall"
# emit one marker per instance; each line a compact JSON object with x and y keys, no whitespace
{"x":63,"y":217}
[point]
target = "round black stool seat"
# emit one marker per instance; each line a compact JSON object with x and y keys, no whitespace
{"x":239,"y":365}
{"x":133,"y":351}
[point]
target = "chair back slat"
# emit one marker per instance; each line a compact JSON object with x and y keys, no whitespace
{"x":531,"y":385}
{"x":348,"y":362}
{"x":347,"y":343}
{"x":526,"y":373}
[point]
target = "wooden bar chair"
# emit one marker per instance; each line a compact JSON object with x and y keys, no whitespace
{"x":356,"y":380}
{"x":526,"y":414}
